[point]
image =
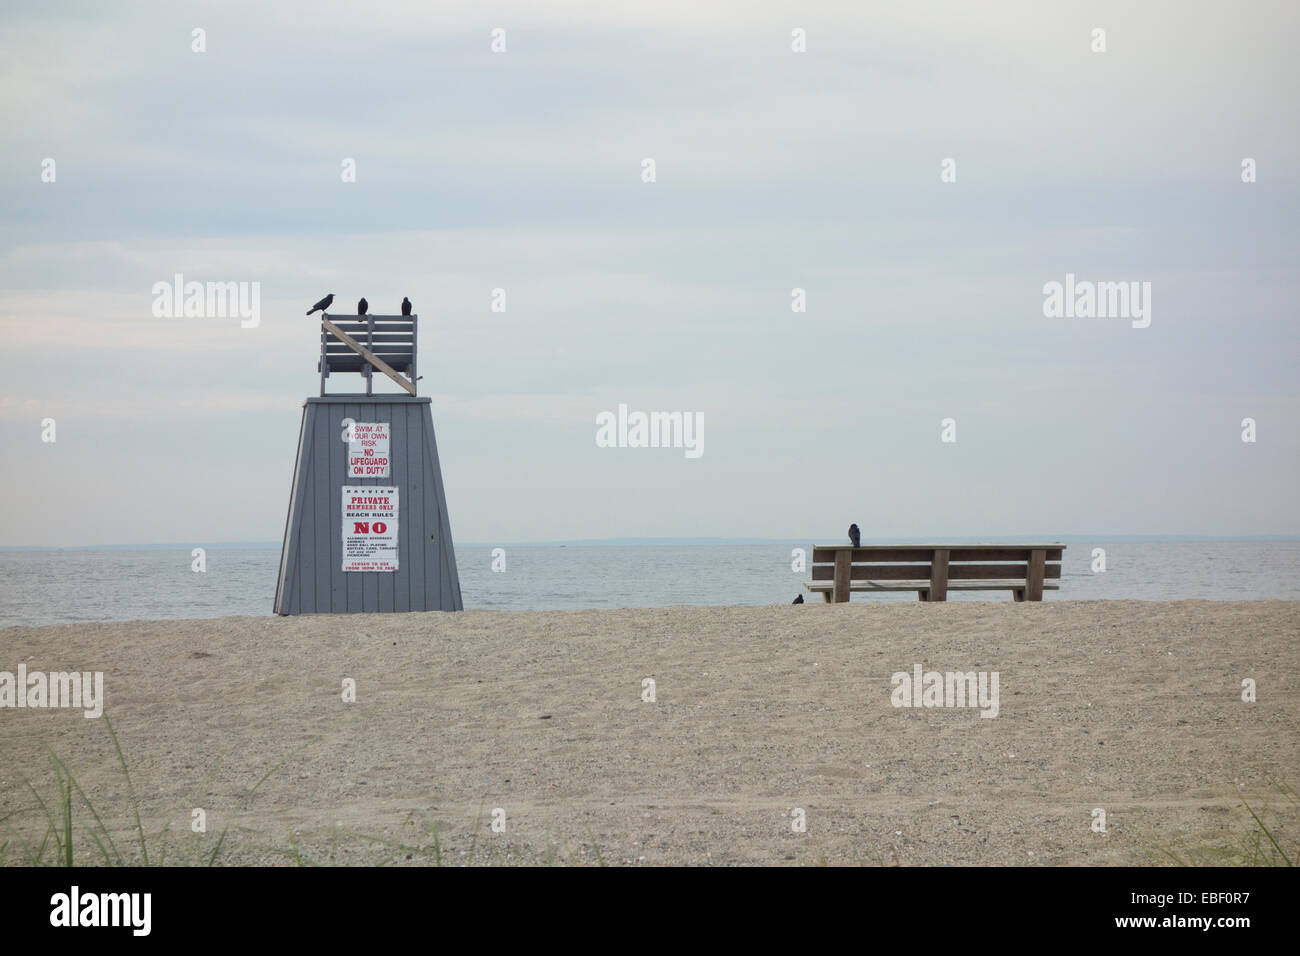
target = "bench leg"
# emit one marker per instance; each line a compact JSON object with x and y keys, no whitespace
{"x":826,"y":597}
{"x":843,"y":562}
{"x":1034,"y":580}
{"x":939,"y":575}
{"x":923,"y":594}
{"x":1018,"y":593}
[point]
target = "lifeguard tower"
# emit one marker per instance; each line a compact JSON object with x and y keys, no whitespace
{"x":367,"y":528}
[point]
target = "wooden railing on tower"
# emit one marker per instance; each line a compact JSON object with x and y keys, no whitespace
{"x":364,"y":343}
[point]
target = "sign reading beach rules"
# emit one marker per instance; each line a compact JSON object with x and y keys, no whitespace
{"x":368,"y":455}
{"x":369,"y":529}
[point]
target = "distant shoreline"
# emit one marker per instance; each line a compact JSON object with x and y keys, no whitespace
{"x":526,"y":615}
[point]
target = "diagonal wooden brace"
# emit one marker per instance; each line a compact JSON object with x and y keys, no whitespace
{"x":368,"y":355}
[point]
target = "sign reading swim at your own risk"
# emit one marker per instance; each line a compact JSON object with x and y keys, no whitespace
{"x":369,"y":529}
{"x":368,"y":455}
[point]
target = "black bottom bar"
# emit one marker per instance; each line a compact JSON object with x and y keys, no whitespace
{"x":946,"y":908}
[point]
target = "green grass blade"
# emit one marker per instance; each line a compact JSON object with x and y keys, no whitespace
{"x":108,"y":861}
{"x":217,"y":849}
{"x":66,"y":796}
{"x":437,"y":844}
{"x":1268,"y":833}
{"x":40,"y":853}
{"x":89,"y":806}
{"x":40,"y":803}
{"x":135,"y":804}
{"x":289,"y":756}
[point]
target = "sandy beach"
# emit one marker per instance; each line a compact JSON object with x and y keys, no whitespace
{"x":759,"y":712}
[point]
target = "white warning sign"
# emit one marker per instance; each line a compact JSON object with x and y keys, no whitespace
{"x":369,"y":529}
{"x":368,"y":455}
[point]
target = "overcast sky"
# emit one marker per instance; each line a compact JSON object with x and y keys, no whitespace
{"x":775,"y":170}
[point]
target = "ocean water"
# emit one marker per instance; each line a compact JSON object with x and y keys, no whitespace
{"x":51,"y":587}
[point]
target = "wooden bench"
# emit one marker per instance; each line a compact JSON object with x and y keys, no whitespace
{"x":932,"y":570}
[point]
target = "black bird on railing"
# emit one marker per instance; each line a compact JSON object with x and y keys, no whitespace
{"x":406,"y":306}
{"x":855,"y":536}
{"x":322,"y":305}
{"x":362,"y":306}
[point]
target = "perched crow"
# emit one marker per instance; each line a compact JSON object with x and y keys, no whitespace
{"x":406,"y":306}
{"x":855,"y":536}
{"x":798,"y":599}
{"x":362,"y":306}
{"x":322,"y":305}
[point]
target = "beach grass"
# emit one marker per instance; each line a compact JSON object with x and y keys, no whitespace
{"x":70,"y":812}
{"x":1264,"y":844}
{"x":58,"y":843}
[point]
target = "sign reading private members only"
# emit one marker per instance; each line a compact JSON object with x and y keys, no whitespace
{"x":368,"y":455}
{"x":369,"y":528}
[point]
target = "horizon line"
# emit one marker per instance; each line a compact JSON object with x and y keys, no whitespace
{"x":643,"y":540}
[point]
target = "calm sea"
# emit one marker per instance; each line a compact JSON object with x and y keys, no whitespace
{"x":50,"y":587}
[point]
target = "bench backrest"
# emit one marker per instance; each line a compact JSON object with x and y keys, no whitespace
{"x":966,"y":562}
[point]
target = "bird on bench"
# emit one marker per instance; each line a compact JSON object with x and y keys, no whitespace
{"x":322,"y":305}
{"x":855,"y":536}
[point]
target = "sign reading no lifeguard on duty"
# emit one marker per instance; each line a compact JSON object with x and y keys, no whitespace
{"x":368,"y":455}
{"x":369,"y":529}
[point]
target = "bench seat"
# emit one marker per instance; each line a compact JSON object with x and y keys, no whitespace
{"x":922,"y":588}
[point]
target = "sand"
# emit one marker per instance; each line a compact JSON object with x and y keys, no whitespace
{"x":1130,"y":707}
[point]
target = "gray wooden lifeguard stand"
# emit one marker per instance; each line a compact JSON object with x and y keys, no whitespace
{"x":337,"y":528}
